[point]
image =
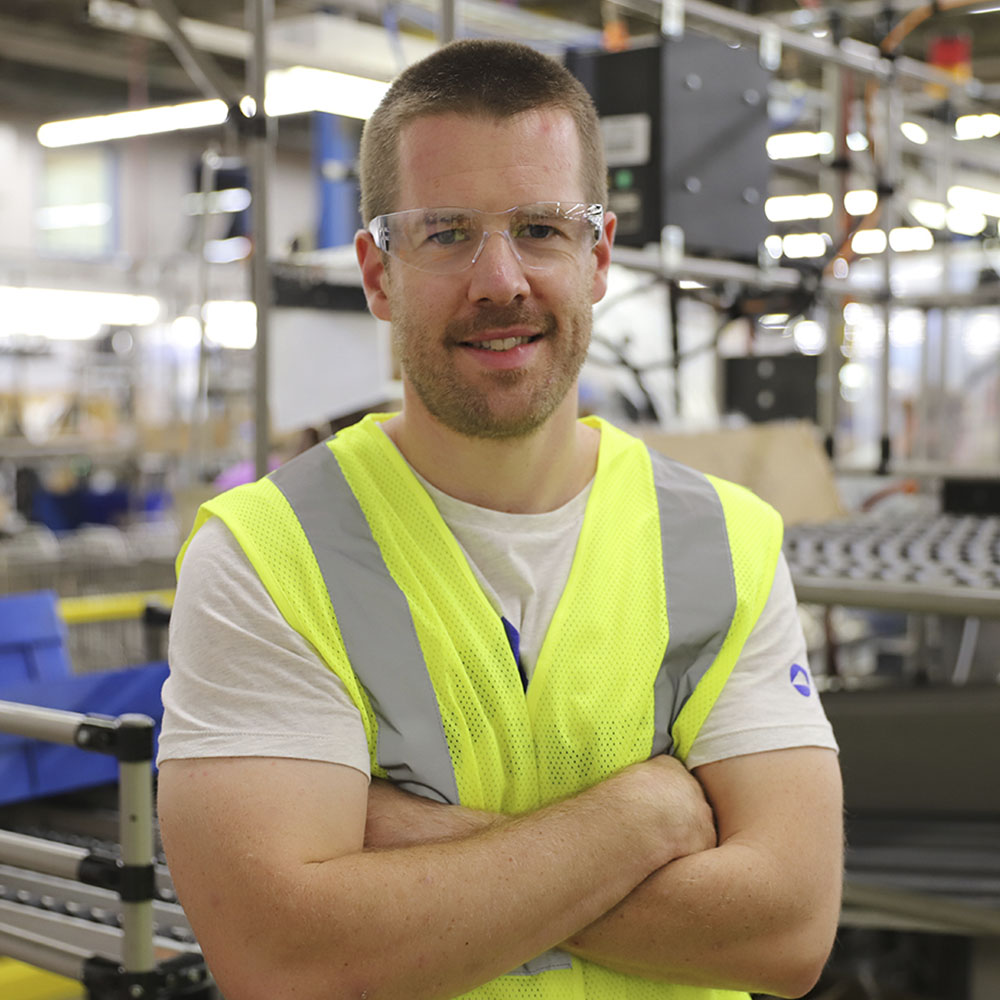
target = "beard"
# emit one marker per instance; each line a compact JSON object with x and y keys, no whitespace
{"x":498,"y":405}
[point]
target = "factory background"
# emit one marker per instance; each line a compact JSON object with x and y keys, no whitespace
{"x":805,"y":299}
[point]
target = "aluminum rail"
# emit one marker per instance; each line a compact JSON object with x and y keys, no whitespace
{"x":964,"y":918}
{"x":40,"y":855}
{"x":76,"y":896}
{"x":34,"y":949}
{"x":92,"y":936}
{"x":129,"y":738}
{"x":915,"y":597}
{"x":852,"y":54}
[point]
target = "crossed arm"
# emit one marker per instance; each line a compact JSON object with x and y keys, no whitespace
{"x":269,"y":857}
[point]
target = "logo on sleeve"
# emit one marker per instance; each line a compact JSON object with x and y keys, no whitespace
{"x":799,"y":677}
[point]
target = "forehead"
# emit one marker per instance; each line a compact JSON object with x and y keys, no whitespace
{"x":487,"y":163}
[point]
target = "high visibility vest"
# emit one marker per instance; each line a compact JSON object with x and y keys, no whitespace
{"x":671,"y":571}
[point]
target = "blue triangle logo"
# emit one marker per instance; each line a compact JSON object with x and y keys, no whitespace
{"x":799,"y":677}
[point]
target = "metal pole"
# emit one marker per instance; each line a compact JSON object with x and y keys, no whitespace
{"x":199,"y":421}
{"x":449,"y":22}
{"x":890,"y":174}
{"x":259,"y":15}
{"x":834,"y":183}
{"x":135,"y":805}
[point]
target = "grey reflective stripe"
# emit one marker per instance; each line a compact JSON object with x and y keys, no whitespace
{"x":701,"y":589}
{"x":546,"y":962}
{"x":375,"y":623}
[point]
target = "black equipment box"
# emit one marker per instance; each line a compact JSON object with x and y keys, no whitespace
{"x":772,"y":387}
{"x":685,"y":124}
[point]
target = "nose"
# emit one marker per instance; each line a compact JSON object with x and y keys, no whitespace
{"x":497,"y":273}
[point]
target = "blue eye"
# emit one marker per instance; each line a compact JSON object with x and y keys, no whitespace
{"x":449,"y":237}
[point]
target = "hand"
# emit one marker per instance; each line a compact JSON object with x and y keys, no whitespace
{"x":398,"y":819}
{"x":672,"y":804}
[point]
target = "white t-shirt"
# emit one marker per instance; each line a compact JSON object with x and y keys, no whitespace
{"x":244,"y":683}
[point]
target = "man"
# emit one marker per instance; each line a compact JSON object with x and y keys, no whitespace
{"x":520,"y":623}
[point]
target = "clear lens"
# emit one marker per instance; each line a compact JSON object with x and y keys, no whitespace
{"x":445,"y":240}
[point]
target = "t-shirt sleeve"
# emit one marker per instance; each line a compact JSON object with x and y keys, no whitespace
{"x":770,"y":701}
{"x":242,"y":681}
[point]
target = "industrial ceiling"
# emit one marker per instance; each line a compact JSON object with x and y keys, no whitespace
{"x":61,"y":58}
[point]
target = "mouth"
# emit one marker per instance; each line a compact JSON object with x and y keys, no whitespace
{"x":499,"y":344}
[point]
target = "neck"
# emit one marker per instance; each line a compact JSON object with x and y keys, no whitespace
{"x":527,"y":475}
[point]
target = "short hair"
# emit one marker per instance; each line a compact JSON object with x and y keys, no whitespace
{"x":474,"y":77}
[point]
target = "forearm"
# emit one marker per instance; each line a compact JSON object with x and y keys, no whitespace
{"x":758,"y":912}
{"x":457,"y":913}
{"x":726,"y":918}
{"x":424,"y":921}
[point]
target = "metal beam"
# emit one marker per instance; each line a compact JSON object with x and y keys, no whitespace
{"x":55,"y":49}
{"x":200,"y":66}
{"x":361,"y":49}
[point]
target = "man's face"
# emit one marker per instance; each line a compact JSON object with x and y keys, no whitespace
{"x":493,"y":350}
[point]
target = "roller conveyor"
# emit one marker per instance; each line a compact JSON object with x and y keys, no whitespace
{"x":929,"y":563}
{"x":104,"y":916}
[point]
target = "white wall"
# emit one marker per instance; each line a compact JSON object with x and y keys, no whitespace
{"x":154,"y":174}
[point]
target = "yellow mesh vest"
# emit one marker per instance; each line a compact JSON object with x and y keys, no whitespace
{"x":588,"y":710}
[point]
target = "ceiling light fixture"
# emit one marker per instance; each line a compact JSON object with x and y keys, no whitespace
{"x":915,"y":133}
{"x":860,"y":202}
{"x":791,"y":207}
{"x":790,"y":145}
{"x":296,"y":90}
{"x":65,"y":314}
{"x":974,"y":200}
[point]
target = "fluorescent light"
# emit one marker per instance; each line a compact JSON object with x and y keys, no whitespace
{"x":857,"y":142}
{"x":977,"y":126}
{"x":860,"y":202}
{"x":226,"y":251}
{"x":908,"y":238}
{"x":289,"y":91}
{"x":965,"y":221}
{"x":84,"y":216}
{"x":809,"y":336}
{"x":217,"y":202}
{"x":798,"y":245}
{"x":125,"y":124}
{"x":302,"y":88}
{"x":914,"y":132}
{"x":975,"y":200}
{"x":789,"y":207}
{"x":932,"y":214}
{"x":981,"y":336}
{"x":866,"y":241}
{"x":772,"y":244}
{"x":688,"y":284}
{"x":773,"y":321}
{"x":185,"y":331}
{"x":63,"y":314}
{"x":790,"y":145}
{"x":231,"y":324}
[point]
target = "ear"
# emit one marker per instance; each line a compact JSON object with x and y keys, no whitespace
{"x":373,"y":275}
{"x":602,"y":256}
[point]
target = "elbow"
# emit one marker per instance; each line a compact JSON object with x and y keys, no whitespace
{"x":798,"y":966}
{"x":275,"y":979}
{"x":791,"y":983}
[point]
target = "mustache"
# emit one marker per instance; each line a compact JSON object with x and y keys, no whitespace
{"x":499,"y":317}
